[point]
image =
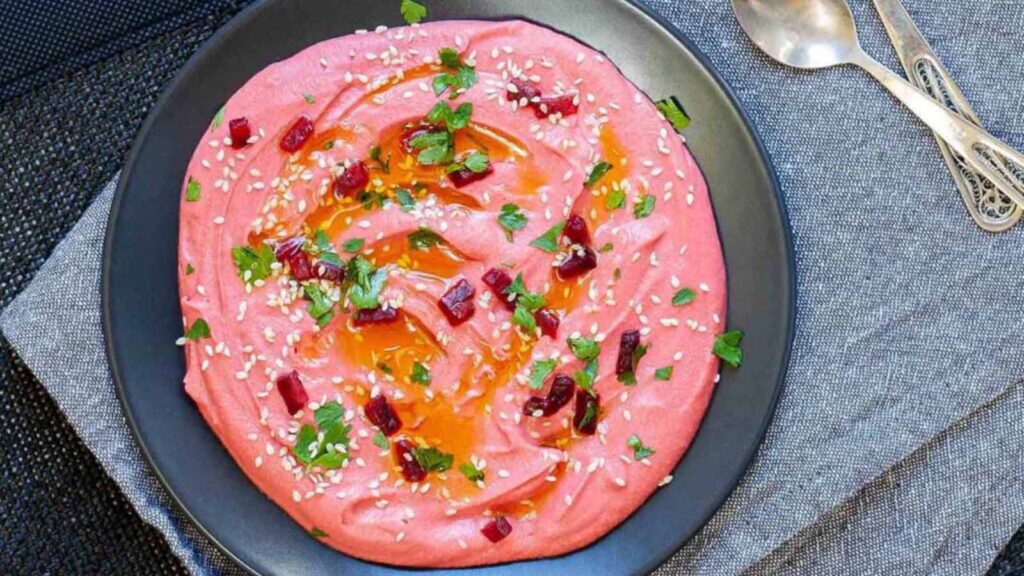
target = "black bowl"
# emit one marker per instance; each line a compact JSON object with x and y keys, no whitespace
{"x":142,"y":317}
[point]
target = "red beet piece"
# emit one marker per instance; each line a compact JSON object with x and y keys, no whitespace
{"x":499,"y":281}
{"x":290,"y":387}
{"x":412,"y":470}
{"x":297,"y":134}
{"x":496,"y":530}
{"x":587,"y":409}
{"x":562,"y":389}
{"x":382,"y":415}
{"x":457,"y":302}
{"x":240,"y":132}
{"x":465,"y":176}
{"x":575,"y":230}
{"x":292,"y":253}
{"x":412,"y":132}
{"x":329,"y":271}
{"x":289,"y":249}
{"x":579,"y":262}
{"x":375,"y":316}
{"x":301,"y":267}
{"x":354,"y":179}
{"x":547,"y":321}
{"x":535,"y":405}
{"x":523,"y":89}
{"x":628,"y":342}
{"x":566,"y":105}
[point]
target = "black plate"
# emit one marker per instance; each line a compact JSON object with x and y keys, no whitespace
{"x":142,"y":317}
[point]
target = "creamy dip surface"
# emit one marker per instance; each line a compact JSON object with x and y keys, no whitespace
{"x":450,"y":292}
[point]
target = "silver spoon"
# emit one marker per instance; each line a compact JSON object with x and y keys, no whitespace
{"x":821,"y":33}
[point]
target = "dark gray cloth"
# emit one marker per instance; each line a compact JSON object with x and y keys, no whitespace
{"x":892,"y":424}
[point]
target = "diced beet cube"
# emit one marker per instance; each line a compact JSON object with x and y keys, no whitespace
{"x":240,"y":132}
{"x":412,"y":470}
{"x":587,"y":409}
{"x":297,"y":135}
{"x":535,"y":405}
{"x":547,"y":321}
{"x":301,"y":267}
{"x":290,"y":387}
{"x":410,"y":134}
{"x":465,"y":176}
{"x":522,"y":89}
{"x":288,"y":249}
{"x":380,"y":413}
{"x":329,"y":271}
{"x":496,"y":530}
{"x":628,"y":343}
{"x":457,"y":302}
{"x":562,"y":389}
{"x":575,"y":230}
{"x":580,"y":261}
{"x":353,"y":180}
{"x":375,"y":316}
{"x":499,"y":281}
{"x":566,"y":105}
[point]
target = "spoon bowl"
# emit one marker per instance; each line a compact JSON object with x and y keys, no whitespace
{"x":801,"y":33}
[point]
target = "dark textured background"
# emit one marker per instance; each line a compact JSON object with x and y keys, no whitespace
{"x":77,"y":78}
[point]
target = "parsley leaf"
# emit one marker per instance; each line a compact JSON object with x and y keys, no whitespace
{"x":523,"y":297}
{"x":413,"y":12}
{"x":664,"y":373}
{"x":727,"y":347}
{"x":218,"y":118}
{"x":193,"y":190}
{"x":381,"y":441}
{"x":405,"y":199}
{"x":328,"y":415}
{"x":436,"y":148}
{"x":645,"y":207}
{"x":385,"y":163}
{"x":683,"y":296}
{"x":606,"y":247}
{"x":541,"y":369}
{"x":459,"y":76}
{"x":199,"y":330}
{"x":596,"y":173}
{"x":432,"y":459}
{"x":615,"y":199}
{"x":320,"y":308}
{"x":309,"y":98}
{"x":317,"y":533}
{"x":588,"y":415}
{"x":584,"y":348}
{"x":423,"y":239}
{"x":629,"y":378}
{"x":585,"y":378}
{"x":548,"y":242}
{"x":420,"y":374}
{"x":327,"y":447}
{"x":673,"y":112}
{"x":471,"y":472}
{"x":453,"y":120}
{"x":385,"y":368}
{"x":523,"y":318}
{"x":365,"y":283}
{"x":639,"y":450}
{"x":353,"y":245}
{"x":254,"y":262}
{"x":189,"y":269}
{"x":511,"y":219}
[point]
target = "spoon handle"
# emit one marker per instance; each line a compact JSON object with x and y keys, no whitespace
{"x":985,"y":153}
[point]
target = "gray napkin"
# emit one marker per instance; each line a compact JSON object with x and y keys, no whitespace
{"x":896,"y":447}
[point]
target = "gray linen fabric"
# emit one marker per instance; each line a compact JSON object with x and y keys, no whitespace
{"x":896,"y":423}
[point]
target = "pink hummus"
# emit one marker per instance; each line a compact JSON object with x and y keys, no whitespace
{"x":503,"y":479}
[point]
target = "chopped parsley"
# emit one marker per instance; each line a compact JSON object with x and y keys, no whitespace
{"x":664,"y":373}
{"x":353,"y":245}
{"x":532,"y":301}
{"x":615,"y":199}
{"x":385,"y":368}
{"x":193,"y":190}
{"x":309,"y":98}
{"x":584,"y":348}
{"x":476,"y":162}
{"x":640,"y":451}
{"x":364,"y":283}
{"x":645,"y":207}
{"x":629,"y":378}
{"x":673,"y":112}
{"x":317,"y":533}
{"x":471,"y":472}
{"x":371,"y":199}
{"x":320,"y":308}
{"x":548,"y":242}
{"x":588,"y":415}
{"x":326,"y":445}
{"x":413,"y":12}
{"x":404,"y":198}
{"x":424,"y":239}
{"x":540,"y":371}
{"x":435,"y":148}
{"x":585,"y":378}
{"x":324,"y":250}
{"x":523,"y":318}
{"x":199,"y":330}
{"x":253,"y":264}
{"x":606,"y":247}
{"x":381,"y":441}
{"x":189,"y":269}
{"x":727,"y":347}
{"x":684,"y":296}
{"x":453,"y":120}
{"x":432,"y":459}
{"x":218,"y":118}
{"x":458,"y":76}
{"x":420,"y":374}
{"x":596,"y":173}
{"x":511,"y":219}
{"x":383,"y":163}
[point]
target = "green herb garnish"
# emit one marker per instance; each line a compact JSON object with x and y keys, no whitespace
{"x":317,"y":533}
{"x":673,"y":112}
{"x":189,"y":269}
{"x":420,"y":374}
{"x":645,"y":207}
{"x":326,"y":445}
{"x":193,"y":190}
{"x":585,"y":378}
{"x":596,"y":173}
{"x":640,"y":451}
{"x":540,"y":371}
{"x":309,"y":98}
{"x":413,"y":12}
{"x":629,"y":378}
{"x":383,"y":163}
{"x":523,"y":318}
{"x":615,"y":199}
{"x":320,"y":308}
{"x":511,"y":219}
{"x":353,"y":245}
{"x":584,"y":348}
{"x":727,"y":347}
{"x":548,"y":242}
{"x":606,"y":247}
{"x":471,"y":472}
{"x":381,"y":441}
{"x":199,"y":330}
{"x":432,"y":459}
{"x":424,"y":239}
{"x":664,"y":373}
{"x":365,"y":283}
{"x":684,"y":296}
{"x":405,"y":199}
{"x":459,"y":76}
{"x":218,"y":118}
{"x":252,"y":261}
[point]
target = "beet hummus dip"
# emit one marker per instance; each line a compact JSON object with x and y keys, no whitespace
{"x":451,"y":292}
